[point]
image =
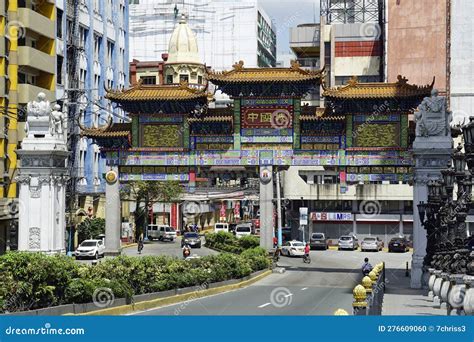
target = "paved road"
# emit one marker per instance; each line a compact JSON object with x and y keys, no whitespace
{"x":319,"y":288}
{"x":161,"y":248}
{"x":167,"y":248}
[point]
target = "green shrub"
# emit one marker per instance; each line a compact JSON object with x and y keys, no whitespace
{"x":34,"y":280}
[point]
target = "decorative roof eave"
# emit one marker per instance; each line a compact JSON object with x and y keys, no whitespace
{"x":375,"y":90}
{"x":212,"y":119}
{"x":322,"y":118}
{"x":239,"y":75}
{"x":109,"y":130}
{"x":141,"y":93}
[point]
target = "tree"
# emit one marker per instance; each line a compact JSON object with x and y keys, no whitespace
{"x":90,"y":228}
{"x":145,"y":194}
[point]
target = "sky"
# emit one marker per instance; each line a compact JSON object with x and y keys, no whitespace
{"x":288,"y":13}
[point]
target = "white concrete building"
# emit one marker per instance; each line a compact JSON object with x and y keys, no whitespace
{"x":227,"y":31}
{"x":461,"y":87}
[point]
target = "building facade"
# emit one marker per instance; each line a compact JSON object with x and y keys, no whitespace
{"x":27,"y":67}
{"x":226,"y":31}
{"x":416,"y":44}
{"x":352,"y":40}
{"x":436,"y":41}
{"x":102,"y":46}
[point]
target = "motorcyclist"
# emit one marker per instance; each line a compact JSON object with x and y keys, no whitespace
{"x":366,"y":267}
{"x":140,"y":244}
{"x":186,"y":250}
{"x":307,"y":249}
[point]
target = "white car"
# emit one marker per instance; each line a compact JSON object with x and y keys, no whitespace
{"x":166,"y":233}
{"x":348,"y":242}
{"x":371,"y":244}
{"x":293,"y":248}
{"x":90,"y":249}
{"x":221,"y":227}
{"x":243,"y":230}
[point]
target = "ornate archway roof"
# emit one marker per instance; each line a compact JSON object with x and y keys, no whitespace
{"x":375,"y":90}
{"x":239,"y":74}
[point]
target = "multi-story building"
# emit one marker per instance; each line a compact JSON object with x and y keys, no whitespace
{"x":352,"y":40}
{"x":227,"y":31}
{"x":102,"y":45}
{"x":305,"y":43}
{"x":27,"y":67}
{"x":437,"y":41}
{"x":348,"y":42}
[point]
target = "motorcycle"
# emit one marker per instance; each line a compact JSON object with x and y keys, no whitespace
{"x":307,"y":259}
{"x":186,"y":252}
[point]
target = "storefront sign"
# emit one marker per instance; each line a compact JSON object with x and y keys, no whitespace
{"x":303,"y":216}
{"x":331,"y":216}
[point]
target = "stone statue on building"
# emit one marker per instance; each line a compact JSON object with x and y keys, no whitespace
{"x":432,"y":117}
{"x":58,"y":122}
{"x":38,"y":117}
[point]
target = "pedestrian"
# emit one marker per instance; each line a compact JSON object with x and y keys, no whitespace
{"x":366,"y":267}
{"x":275,"y":242}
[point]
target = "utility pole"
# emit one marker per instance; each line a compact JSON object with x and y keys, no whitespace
{"x":73,"y":92}
{"x":278,"y":207}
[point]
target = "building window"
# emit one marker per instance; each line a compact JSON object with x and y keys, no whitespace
{"x":110,"y":52}
{"x":148,"y":79}
{"x":200,"y":79}
{"x":169,"y":79}
{"x":59,"y":23}
{"x":183,"y":78}
{"x":59,"y":70}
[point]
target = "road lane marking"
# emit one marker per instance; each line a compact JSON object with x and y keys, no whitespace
{"x":304,"y":289}
{"x":264,"y":305}
{"x":289,"y":294}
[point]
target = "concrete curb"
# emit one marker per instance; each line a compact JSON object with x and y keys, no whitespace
{"x":159,"y":302}
{"x":130,"y":245}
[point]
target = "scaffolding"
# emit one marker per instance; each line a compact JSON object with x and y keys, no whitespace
{"x":351,"y":11}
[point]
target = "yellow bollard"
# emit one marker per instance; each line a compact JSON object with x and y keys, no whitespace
{"x":360,"y":296}
{"x":367,"y":284}
{"x":373,"y":276}
{"x":341,"y":312}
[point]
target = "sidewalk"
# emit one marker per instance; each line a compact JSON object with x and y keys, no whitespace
{"x":400,"y":299}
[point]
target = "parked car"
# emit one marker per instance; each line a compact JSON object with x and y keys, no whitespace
{"x":152,"y":232}
{"x":293,"y":248}
{"x":318,"y":240}
{"x":371,"y":244}
{"x":348,"y":242}
{"x":192,"y":239}
{"x":398,"y":244}
{"x":243,"y":229}
{"x":90,"y":249}
{"x":221,"y":227}
{"x":166,"y":233}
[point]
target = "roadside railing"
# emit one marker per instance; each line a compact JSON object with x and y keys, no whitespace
{"x":368,"y":296}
